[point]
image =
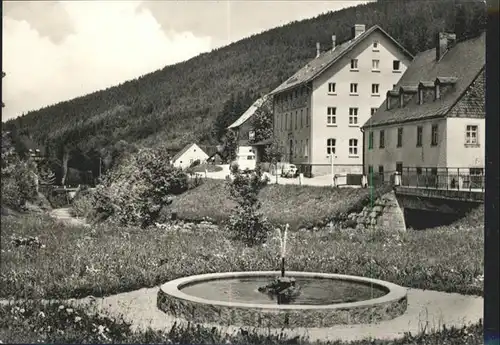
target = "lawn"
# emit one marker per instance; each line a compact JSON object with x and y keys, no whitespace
{"x":106,"y":259}
{"x":208,"y":167}
{"x":57,"y":323}
{"x":299,"y":206}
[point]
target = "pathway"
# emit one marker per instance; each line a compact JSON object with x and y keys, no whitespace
{"x":426,"y":309}
{"x":64,"y":215}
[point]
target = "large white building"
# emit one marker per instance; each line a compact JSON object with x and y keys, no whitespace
{"x":319,"y":110}
{"x":432,"y":126}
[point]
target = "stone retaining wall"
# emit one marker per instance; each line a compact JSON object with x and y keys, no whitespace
{"x":384,"y":212}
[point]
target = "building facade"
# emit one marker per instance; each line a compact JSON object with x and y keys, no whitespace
{"x":433,"y":122}
{"x":320,"y":109}
{"x":243,"y":127}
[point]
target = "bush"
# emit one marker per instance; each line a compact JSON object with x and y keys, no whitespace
{"x":19,"y":183}
{"x":135,"y":192}
{"x":246,"y":222}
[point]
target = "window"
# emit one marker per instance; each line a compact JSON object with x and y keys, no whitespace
{"x":381,"y":172}
{"x":419,"y":171}
{"x":399,"y":167}
{"x":251,"y":135}
{"x":370,"y":171}
{"x":375,"y":89}
{"x":286,"y":121}
{"x":307,"y":117}
{"x":420,"y":129}
{"x":375,"y":64}
{"x":354,"y":64}
{"x":471,"y":134}
{"x":375,"y":45}
{"x":353,"y":147}
{"x":330,"y":146}
{"x":354,"y":88}
{"x":331,"y":87}
{"x":296,"y":148}
{"x":400,"y":137}
{"x":306,"y":148}
{"x":396,"y":64}
{"x":296,"y":118}
{"x":373,"y":111}
{"x":301,"y":118}
{"x":434,"y":135}
{"x":381,"y":139}
{"x":331,"y":118}
{"x":301,"y":148}
{"x":353,"y":116}
{"x":370,"y":140}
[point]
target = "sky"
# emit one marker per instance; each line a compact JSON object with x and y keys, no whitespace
{"x":58,"y":50}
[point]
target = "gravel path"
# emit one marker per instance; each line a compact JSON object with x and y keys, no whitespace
{"x":64,"y":215}
{"x":426,"y":309}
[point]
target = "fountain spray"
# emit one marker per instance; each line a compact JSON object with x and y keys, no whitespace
{"x":283,"y":250}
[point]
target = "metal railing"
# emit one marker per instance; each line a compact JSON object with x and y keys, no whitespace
{"x":462,"y":179}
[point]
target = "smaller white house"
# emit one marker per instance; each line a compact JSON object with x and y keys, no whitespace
{"x":188,"y":155}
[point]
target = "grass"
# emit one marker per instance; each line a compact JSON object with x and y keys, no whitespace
{"x":34,"y":322}
{"x":209,"y":167}
{"x":107,"y":259}
{"x":299,"y":206}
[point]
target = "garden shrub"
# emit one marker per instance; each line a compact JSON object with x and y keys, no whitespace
{"x":18,"y":178}
{"x":137,"y":189}
{"x":246,"y":222}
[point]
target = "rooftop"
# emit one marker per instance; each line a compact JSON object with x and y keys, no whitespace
{"x":316,"y":66}
{"x":249,"y":112}
{"x":460,"y":66}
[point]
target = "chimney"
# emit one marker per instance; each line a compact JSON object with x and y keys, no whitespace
{"x":317,"y":49}
{"x":334,"y":41}
{"x":357,"y":30}
{"x":444,"y":41}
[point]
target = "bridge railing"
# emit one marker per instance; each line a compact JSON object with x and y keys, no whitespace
{"x":463,"y":179}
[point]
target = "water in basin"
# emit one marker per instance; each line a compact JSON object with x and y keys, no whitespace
{"x":314,"y":291}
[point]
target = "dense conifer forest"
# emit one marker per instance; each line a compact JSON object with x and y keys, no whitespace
{"x":195,"y":99}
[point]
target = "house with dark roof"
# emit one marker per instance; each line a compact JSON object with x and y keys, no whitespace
{"x":188,"y":155}
{"x":319,"y":110}
{"x":243,"y":126}
{"x":433,"y":121}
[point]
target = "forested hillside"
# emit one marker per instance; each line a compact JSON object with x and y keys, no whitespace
{"x":180,"y":103}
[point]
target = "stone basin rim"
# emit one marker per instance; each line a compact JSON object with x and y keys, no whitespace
{"x":173,"y":289}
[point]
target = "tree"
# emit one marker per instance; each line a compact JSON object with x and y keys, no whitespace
{"x":262,"y":122}
{"x":230,"y":146}
{"x":246,"y":222}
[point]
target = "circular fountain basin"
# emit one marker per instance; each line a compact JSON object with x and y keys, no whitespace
{"x":326,"y":300}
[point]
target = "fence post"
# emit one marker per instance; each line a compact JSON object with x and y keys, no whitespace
{"x":458,"y":179}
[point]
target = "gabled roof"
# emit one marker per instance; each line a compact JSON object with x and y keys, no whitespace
{"x":183,"y":151}
{"x":460,"y":65}
{"x":249,"y":112}
{"x":326,"y":59}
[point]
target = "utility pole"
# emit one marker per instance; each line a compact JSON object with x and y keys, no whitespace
{"x":332,"y":168}
{"x":3,"y":75}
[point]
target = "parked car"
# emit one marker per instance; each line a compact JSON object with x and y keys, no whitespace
{"x":289,"y":170}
